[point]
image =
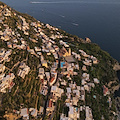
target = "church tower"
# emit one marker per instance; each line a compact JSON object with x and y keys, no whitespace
{"x":69,"y":52}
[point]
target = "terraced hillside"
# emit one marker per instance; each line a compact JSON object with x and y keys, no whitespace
{"x":46,"y":73}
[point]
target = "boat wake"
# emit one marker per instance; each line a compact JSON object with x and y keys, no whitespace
{"x":85,"y":2}
{"x":49,"y":2}
{"x":62,"y":16}
{"x":75,"y":24}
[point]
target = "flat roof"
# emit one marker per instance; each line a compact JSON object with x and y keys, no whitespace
{"x":70,"y":59}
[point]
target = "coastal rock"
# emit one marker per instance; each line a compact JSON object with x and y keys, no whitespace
{"x":116,"y":67}
{"x":113,"y":89}
{"x":87,"y":40}
{"x":118,"y":107}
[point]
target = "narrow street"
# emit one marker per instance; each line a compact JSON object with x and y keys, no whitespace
{"x":48,"y":94}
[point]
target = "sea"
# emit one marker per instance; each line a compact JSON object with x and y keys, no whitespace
{"x":97,"y":19}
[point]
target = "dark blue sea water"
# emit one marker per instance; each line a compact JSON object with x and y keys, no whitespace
{"x":97,"y":19}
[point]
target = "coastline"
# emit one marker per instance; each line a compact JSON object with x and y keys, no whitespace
{"x":115,"y":87}
{"x":117,"y":92}
{"x":117,"y":96}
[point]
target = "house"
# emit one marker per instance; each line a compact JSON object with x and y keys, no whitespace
{"x":55,"y":65}
{"x":38,"y":25}
{"x":48,"y":44}
{"x":86,"y":76}
{"x":9,"y":44}
{"x":32,"y":51}
{"x":6,"y":38}
{"x":23,"y":47}
{"x":23,"y":41}
{"x":77,"y":56}
{"x":52,"y":50}
{"x":86,"y":87}
{"x":56,"y":91}
{"x":75,"y":101}
{"x":83,"y":82}
{"x":96,"y":80}
{"x":7,"y":54}
{"x":47,"y":75}
{"x":72,"y":85}
{"x":84,"y":68}
{"x":91,"y":84}
{"x":14,"y":46}
{"x":23,"y":70}
{"x":87,"y":62}
{"x":94,"y":59}
{"x":2,"y":76}
{"x":44,"y":63}
{"x":46,"y":50}
{"x":33,"y":40}
{"x":39,"y":53}
{"x":24,"y":113}
{"x":53,"y":37}
{"x":44,"y":90}
{"x":70,"y":59}
{"x":15,"y":41}
{"x":88,"y":113}
{"x":55,"y":55}
{"x":1,"y":59}
{"x":83,"y":53}
{"x":105,"y":90}
{"x":68,"y":90}
{"x":63,"y":83}
{"x":45,"y":82}
{"x":63,"y":117}
{"x":41,"y":73}
{"x":72,"y":114}
{"x":1,"y":33}
{"x":7,"y":82}
{"x":22,"y":65}
{"x":41,"y":110}
{"x":21,"y":73}
{"x":48,"y":53}
{"x":50,"y":106}
{"x":82,"y":93}
{"x":75,"y":73}
{"x":64,"y":53}
{"x":56,"y":47}
{"x":61,"y":42}
{"x":2,"y":68}
{"x":33,"y":112}
{"x":77,"y":92}
{"x":78,"y":87}
{"x":37,"y":49}
{"x":53,"y":78}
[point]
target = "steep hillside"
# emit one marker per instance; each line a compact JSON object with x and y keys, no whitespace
{"x":46,"y":73}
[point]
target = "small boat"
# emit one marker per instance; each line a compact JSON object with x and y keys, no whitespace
{"x":75,"y":24}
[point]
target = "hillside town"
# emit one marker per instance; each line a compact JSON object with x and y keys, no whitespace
{"x":59,"y":65}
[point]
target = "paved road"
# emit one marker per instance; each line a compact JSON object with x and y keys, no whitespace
{"x":48,"y":94}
